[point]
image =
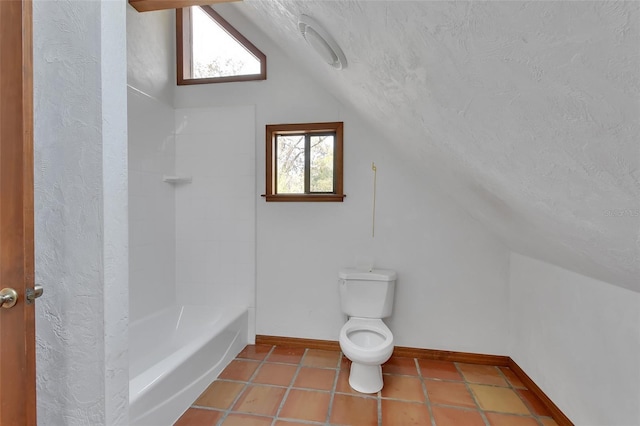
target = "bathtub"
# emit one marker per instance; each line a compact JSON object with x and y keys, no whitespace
{"x":175,"y":354}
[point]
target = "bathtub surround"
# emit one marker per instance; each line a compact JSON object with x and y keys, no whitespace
{"x":215,"y":213}
{"x":152,"y":230}
{"x":81,"y":245}
{"x":192,"y":241}
{"x":152,"y":240}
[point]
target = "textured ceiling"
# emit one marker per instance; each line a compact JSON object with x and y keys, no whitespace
{"x":526,"y":113}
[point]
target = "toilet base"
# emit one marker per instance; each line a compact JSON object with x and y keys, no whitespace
{"x":365,"y":378}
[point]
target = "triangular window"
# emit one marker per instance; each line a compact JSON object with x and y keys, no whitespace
{"x":210,"y":50}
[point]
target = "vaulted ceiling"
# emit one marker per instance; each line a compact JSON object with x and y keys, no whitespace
{"x":525,"y":112}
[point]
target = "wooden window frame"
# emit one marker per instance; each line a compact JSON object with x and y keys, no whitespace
{"x":184,"y":44}
{"x":273,"y":130}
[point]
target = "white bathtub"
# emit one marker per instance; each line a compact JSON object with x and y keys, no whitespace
{"x":175,"y":354}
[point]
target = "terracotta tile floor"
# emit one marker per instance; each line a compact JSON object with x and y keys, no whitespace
{"x":279,"y":386}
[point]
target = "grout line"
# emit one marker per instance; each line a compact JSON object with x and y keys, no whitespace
{"x":532,"y":412}
{"x":473,"y":396}
{"x":379,"y":398}
{"x":333,"y":390}
{"x":286,"y":393}
{"x":237,"y":398}
{"x":426,"y":394}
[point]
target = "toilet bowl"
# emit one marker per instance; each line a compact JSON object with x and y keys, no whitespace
{"x":368,"y":343}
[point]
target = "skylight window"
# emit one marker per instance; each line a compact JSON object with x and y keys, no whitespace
{"x":210,"y":50}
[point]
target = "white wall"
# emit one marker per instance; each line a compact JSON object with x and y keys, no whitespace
{"x":81,"y":212}
{"x":450,"y":269}
{"x":215,"y":214}
{"x":151,"y":77}
{"x":578,"y":339}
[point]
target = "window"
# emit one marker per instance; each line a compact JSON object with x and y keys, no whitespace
{"x":304,"y":162}
{"x":210,"y":50}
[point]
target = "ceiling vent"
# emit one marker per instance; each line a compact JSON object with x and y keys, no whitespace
{"x":322,"y":42}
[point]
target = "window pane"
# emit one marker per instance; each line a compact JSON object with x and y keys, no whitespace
{"x":321,"y":165}
{"x":290,"y":164}
{"x":215,"y":53}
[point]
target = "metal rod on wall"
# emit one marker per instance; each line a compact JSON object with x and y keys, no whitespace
{"x":373,"y":218}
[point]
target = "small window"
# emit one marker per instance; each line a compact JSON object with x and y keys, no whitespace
{"x":304,"y":162}
{"x":210,"y":50}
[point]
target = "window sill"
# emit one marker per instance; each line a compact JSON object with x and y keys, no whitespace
{"x":304,"y":197}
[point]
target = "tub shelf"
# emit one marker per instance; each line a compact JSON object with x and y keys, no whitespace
{"x":176,"y":179}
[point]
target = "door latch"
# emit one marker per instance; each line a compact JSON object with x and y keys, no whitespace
{"x":33,"y":293}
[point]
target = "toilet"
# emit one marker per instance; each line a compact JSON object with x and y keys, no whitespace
{"x":366,"y":297}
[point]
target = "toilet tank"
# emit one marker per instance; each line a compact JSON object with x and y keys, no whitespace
{"x":367,"y":294}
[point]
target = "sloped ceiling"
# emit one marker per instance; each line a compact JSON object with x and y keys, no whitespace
{"x":525,"y":112}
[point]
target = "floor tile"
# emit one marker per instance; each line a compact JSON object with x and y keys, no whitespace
{"x":306,"y":405}
{"x":403,"y":387}
{"x":496,"y":419}
{"x":260,"y":400}
{"x":512,"y":378}
{"x":445,"y":416}
{"x":396,"y":413}
{"x":449,"y":393}
{"x":345,"y":363}
{"x":239,"y":370}
{"x":533,"y":402}
{"x":284,"y":386}
{"x":343,"y":383}
{"x":257,"y":352}
{"x":443,"y":370}
{"x":483,"y":374}
{"x":321,"y":359}
{"x":219,"y":394}
{"x":503,"y":400}
{"x":286,"y":354}
{"x":400,"y":365}
{"x":354,"y":410}
{"x":235,"y":419}
{"x":199,"y":417}
{"x":275,"y":374}
{"x":315,"y":378}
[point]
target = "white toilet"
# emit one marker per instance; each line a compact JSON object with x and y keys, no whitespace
{"x":366,"y":297}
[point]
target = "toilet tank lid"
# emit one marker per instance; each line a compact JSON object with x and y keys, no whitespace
{"x":373,"y":275}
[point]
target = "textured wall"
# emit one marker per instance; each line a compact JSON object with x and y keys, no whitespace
{"x":525,"y":112}
{"x":571,"y":332}
{"x":451,"y":269}
{"x":151,"y":52}
{"x":81,"y":222}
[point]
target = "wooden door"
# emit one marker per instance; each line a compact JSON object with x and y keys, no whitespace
{"x":17,"y":324}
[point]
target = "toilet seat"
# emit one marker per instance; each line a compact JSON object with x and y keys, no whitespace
{"x":375,"y":354}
